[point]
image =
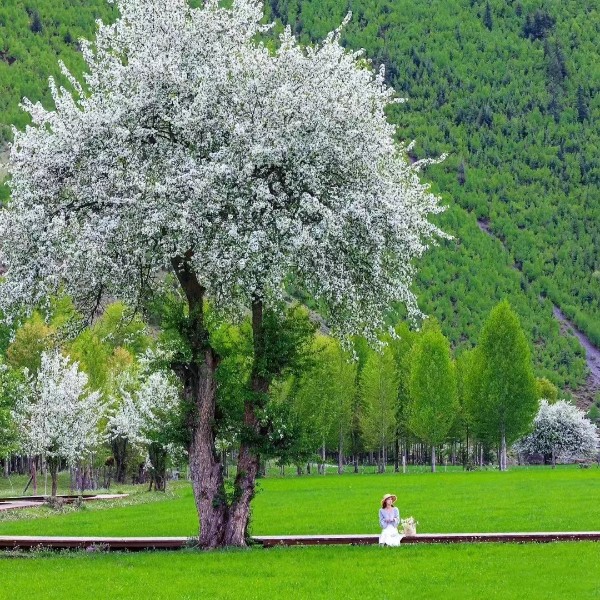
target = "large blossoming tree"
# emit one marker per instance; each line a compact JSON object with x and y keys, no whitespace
{"x":191,"y":147}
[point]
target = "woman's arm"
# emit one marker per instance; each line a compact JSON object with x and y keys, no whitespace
{"x":382,"y":519}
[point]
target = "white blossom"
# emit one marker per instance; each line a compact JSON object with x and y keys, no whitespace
{"x":58,"y":416}
{"x":189,"y":138}
{"x":141,"y":414}
{"x":561,"y":429}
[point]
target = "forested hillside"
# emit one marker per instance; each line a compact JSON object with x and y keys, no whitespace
{"x":508,"y":89}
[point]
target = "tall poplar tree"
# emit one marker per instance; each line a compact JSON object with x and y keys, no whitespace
{"x":379,"y":391}
{"x":432,"y":389}
{"x":506,"y":398}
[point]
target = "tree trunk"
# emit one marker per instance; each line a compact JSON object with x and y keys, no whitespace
{"x":341,"y":453}
{"x":199,"y":390}
{"x":503,"y":451}
{"x":33,"y":460}
{"x":236,"y":533}
{"x":53,"y":464}
{"x":158,"y":469}
{"x":553,"y":458}
{"x":433,"y":459}
{"x":119,"y":450}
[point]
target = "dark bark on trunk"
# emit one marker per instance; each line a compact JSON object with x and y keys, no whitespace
{"x":158,"y":470}
{"x":199,"y":389}
{"x":53,"y":464}
{"x":248,"y":464}
{"x":34,"y":474}
{"x":119,"y":450}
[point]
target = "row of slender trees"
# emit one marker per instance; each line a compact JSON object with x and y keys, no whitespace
{"x":412,"y":390}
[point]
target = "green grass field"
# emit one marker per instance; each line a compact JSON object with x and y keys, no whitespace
{"x":534,"y":499}
{"x":565,"y":571}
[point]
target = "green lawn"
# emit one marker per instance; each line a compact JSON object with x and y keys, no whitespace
{"x":507,"y":571}
{"x":534,"y":499}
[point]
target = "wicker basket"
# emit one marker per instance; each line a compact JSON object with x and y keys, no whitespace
{"x":409,"y":529}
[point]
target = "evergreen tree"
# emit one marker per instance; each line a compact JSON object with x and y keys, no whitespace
{"x":583,"y":113}
{"x":487,"y":17}
{"x":36,"y":22}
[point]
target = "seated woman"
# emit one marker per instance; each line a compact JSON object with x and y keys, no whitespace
{"x":389,"y":519}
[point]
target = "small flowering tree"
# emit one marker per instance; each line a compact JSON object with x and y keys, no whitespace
{"x":194,"y":148}
{"x":58,"y":416}
{"x":560,"y":429}
{"x":144,"y":417}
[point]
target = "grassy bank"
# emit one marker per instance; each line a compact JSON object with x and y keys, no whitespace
{"x":534,"y":499}
{"x":451,"y":572}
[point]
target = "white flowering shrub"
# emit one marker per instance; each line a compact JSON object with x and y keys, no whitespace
{"x":58,"y":417}
{"x":562,"y":430}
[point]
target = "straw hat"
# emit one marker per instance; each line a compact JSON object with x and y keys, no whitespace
{"x":393,"y":496}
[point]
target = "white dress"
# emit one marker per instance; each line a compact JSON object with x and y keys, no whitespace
{"x":390,"y":536}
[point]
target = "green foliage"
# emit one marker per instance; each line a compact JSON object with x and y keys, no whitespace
{"x":379,"y":392}
{"x":31,"y":339}
{"x":524,"y":161}
{"x":505,"y":391}
{"x":432,"y":387}
{"x":324,"y":394}
{"x":288,"y":338}
{"x":32,"y":40}
{"x":11,"y":381}
{"x":546,"y":389}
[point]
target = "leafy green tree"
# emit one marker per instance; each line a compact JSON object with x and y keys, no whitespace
{"x":379,"y":391}
{"x":324,"y":396}
{"x":507,"y":400}
{"x":11,"y":389}
{"x":432,"y":387}
{"x":546,"y":390}
{"x":31,"y":339}
{"x":400,"y":347}
{"x":463,"y":424}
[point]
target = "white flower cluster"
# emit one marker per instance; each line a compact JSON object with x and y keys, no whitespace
{"x":57,"y":416}
{"x":563,"y":429}
{"x":140,"y":415}
{"x":190,"y":138}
